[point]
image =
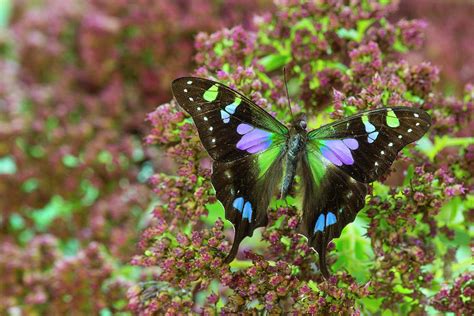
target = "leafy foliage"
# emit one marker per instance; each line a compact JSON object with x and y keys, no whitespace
{"x":341,"y":58}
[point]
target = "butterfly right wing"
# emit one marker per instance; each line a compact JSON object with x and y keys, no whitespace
{"x":230,"y":125}
{"x":247,"y":145}
{"x":245,"y":188}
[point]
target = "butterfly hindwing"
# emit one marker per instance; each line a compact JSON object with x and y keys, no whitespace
{"x":245,"y":188}
{"x":341,"y":157}
{"x":365,"y":145}
{"x":247,"y":145}
{"x":331,"y":200}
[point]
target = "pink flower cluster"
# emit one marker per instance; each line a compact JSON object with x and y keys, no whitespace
{"x":341,"y":57}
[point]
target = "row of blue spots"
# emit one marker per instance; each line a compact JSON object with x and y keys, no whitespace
{"x":245,"y":208}
{"x":325,"y":221}
{"x":229,"y":110}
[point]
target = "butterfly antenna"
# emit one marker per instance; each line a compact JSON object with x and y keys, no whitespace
{"x":287,"y":94}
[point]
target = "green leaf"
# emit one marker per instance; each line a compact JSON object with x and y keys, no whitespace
{"x":105,"y":157}
{"x":371,"y":304}
{"x":413,"y":98}
{"x":409,"y":176}
{"x":363,"y":25}
{"x":70,"y":247}
{"x":5,"y":11}
{"x":432,"y":149}
{"x":30,"y":185}
{"x":57,"y":207}
{"x":16,"y":221}
{"x":354,"y":250}
{"x":91,"y":193}
{"x":274,"y":61}
{"x":7,"y":165}
{"x":399,"y":47}
{"x":146,"y":172}
{"x":380,"y":189}
{"x":353,"y":34}
{"x":70,"y":161}
{"x":350,"y":34}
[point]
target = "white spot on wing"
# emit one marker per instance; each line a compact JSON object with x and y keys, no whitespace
{"x":191,"y":99}
{"x":213,"y":140}
{"x":211,"y":128}
{"x":415,"y":115}
{"x":382,"y":152}
{"x":189,"y":82}
{"x":400,"y":136}
{"x":376,"y":163}
{"x":390,"y":144}
{"x":185,"y":90}
{"x":417,"y":124}
{"x":410,"y":130}
{"x":199,"y":108}
{"x":205,"y":118}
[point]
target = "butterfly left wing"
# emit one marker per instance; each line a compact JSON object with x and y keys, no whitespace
{"x":247,"y":145}
{"x":341,"y":157}
{"x":331,"y":200}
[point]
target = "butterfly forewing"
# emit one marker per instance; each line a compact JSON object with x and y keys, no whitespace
{"x":230,"y":125}
{"x":247,"y":145}
{"x":365,"y":145}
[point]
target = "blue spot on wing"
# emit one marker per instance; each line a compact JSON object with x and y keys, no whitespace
{"x":247,"y":211}
{"x":225,"y":116}
{"x":231,"y":108}
{"x":372,"y":137}
{"x":330,"y":219}
{"x":238,"y":203}
{"x":319,"y":223}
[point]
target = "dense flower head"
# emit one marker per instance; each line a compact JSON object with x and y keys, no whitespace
{"x":77,"y":79}
{"x":340,"y":58}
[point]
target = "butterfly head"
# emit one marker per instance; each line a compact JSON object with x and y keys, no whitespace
{"x":300,"y":122}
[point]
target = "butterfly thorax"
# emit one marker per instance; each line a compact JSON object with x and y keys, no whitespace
{"x":295,"y":147}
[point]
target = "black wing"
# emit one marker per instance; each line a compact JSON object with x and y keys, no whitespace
{"x":247,"y":145}
{"x":341,"y":157}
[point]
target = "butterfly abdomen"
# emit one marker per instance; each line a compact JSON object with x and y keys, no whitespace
{"x":295,"y":146}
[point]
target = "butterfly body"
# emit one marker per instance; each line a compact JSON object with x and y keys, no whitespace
{"x":295,"y":147}
{"x":255,"y":156}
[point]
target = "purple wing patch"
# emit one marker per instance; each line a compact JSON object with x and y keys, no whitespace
{"x":339,"y":151}
{"x":254,"y":140}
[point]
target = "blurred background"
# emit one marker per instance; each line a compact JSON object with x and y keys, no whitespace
{"x":77,"y":80}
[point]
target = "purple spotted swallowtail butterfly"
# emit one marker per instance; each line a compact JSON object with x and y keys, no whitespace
{"x":255,"y":155}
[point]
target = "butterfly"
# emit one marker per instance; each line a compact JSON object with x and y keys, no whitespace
{"x":254,"y":155}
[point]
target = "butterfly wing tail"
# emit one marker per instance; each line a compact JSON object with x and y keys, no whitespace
{"x":322,"y":262}
{"x":235,"y":247}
